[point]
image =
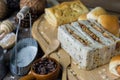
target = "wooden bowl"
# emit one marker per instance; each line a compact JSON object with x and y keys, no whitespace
{"x":50,"y":76}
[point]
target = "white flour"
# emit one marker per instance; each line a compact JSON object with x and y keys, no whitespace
{"x":26,"y":55}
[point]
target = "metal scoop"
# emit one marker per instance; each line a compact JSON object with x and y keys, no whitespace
{"x":24,"y":58}
{"x":25,"y":51}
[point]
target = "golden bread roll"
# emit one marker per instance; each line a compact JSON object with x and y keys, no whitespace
{"x":83,"y":17}
{"x":95,"y":13}
{"x":114,"y":65}
{"x":110,"y":23}
{"x":65,"y":12}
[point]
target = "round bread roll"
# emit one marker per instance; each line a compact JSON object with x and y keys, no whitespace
{"x":95,"y":13}
{"x":83,"y":17}
{"x":114,"y":65}
{"x":110,"y":23}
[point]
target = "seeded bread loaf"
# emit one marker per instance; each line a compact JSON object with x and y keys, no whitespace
{"x":88,"y":43}
{"x":65,"y":12}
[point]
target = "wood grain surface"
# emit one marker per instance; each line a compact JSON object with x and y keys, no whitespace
{"x":101,"y":73}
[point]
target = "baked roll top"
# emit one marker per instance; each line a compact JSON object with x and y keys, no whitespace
{"x":65,"y":13}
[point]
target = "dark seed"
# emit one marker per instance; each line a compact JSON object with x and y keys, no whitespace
{"x":44,"y":66}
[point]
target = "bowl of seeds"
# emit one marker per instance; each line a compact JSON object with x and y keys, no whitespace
{"x":45,"y":69}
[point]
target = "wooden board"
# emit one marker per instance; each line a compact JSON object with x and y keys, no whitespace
{"x":56,"y":56}
{"x":46,"y":36}
{"x":101,"y":73}
{"x":71,"y":76}
{"x":44,"y":39}
{"x":44,"y":33}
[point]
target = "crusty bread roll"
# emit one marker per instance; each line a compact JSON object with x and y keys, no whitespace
{"x":110,"y":23}
{"x":83,"y":17}
{"x":114,"y":65}
{"x":65,"y":12}
{"x":95,"y":13}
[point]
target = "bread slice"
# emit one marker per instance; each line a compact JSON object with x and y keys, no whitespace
{"x":88,"y":43}
{"x":65,"y":12}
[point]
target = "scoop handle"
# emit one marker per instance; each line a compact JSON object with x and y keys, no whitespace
{"x":21,"y":14}
{"x":64,"y":74}
{"x":28,"y":77}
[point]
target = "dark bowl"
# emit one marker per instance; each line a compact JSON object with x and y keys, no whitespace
{"x":50,"y":76}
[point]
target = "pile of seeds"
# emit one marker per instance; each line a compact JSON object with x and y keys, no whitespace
{"x":44,"y":66}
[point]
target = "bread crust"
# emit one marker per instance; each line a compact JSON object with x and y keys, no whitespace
{"x":65,"y":12}
{"x":95,"y":13}
{"x":114,"y":65}
{"x":110,"y":23}
{"x":115,"y":58}
{"x":83,"y":17}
